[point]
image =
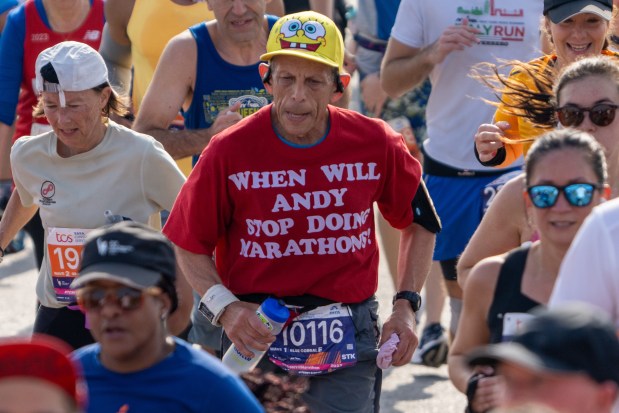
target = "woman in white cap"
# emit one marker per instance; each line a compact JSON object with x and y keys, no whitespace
{"x":87,"y":171}
{"x":30,"y":28}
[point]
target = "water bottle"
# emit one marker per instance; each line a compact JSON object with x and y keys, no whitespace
{"x":273,"y":314}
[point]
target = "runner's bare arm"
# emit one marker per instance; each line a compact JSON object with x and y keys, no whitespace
{"x":473,"y":332}
{"x":503,"y":227}
{"x":415,"y":258}
{"x":172,"y":88}
{"x":404,"y":67}
{"x":115,"y":44}
{"x":6,"y":141}
{"x":276,"y":8}
{"x":14,"y":218}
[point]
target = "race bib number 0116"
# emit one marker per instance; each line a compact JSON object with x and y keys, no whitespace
{"x":317,"y":342}
{"x":64,"y":249}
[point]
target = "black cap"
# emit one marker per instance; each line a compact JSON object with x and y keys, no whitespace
{"x":574,"y":338}
{"x":129,"y":253}
{"x":559,"y":10}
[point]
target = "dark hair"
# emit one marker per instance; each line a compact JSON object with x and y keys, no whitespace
{"x":603,"y":66}
{"x":561,"y":139}
{"x":339,"y":86}
{"x":517,"y":97}
{"x":167,"y":286}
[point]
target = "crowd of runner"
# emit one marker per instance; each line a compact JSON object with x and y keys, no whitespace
{"x":178,"y":162}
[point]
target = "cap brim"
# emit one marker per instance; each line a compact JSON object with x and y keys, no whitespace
{"x":564,"y":12}
{"x":129,"y":275}
{"x":300,"y":53}
{"x":517,"y":354}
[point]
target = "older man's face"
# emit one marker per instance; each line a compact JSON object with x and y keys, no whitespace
{"x":301,"y":90}
{"x":239,"y":20}
{"x":565,"y":393}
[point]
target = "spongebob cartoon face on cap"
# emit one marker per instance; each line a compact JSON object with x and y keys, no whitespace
{"x":308,"y":35}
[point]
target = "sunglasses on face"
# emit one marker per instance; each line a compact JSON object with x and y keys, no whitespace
{"x":601,"y":114}
{"x":578,"y":195}
{"x":127,"y":298}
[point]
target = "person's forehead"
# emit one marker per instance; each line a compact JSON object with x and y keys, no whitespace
{"x":69,"y":96}
{"x":299,"y":64}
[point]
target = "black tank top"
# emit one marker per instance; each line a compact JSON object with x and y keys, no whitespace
{"x":508,"y":297}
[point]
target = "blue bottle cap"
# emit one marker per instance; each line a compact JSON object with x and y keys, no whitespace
{"x":275,"y":310}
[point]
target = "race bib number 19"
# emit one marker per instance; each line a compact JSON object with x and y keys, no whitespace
{"x":319,"y":341}
{"x":64,"y":249}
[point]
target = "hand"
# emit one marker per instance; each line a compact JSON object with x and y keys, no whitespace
{"x":402,"y":322}
{"x":226,"y":118}
{"x":350,"y":64}
{"x":245,"y":329}
{"x":488,"y":139}
{"x":372,"y":94}
{"x":489,"y":394}
{"x":452,"y":39}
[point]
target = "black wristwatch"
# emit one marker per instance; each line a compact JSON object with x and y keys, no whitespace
{"x":1,"y":254}
{"x":411,"y":296}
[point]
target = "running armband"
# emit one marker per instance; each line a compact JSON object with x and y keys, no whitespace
{"x":423,"y":210}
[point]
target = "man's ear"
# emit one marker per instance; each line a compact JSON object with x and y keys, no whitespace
{"x":345,"y":79}
{"x":263,"y":70}
{"x":166,"y":305}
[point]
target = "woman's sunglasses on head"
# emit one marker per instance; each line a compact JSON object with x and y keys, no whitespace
{"x":601,"y":114}
{"x":546,"y":196}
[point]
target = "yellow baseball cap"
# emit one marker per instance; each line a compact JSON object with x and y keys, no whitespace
{"x":309,"y":35}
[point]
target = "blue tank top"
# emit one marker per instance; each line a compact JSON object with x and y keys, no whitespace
{"x":221,"y":84}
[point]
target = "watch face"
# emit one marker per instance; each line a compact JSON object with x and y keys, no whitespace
{"x":206,"y":312}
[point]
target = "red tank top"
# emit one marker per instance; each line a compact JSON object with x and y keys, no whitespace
{"x":38,"y":38}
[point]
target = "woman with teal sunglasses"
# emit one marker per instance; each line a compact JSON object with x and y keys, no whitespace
{"x":565,"y":178}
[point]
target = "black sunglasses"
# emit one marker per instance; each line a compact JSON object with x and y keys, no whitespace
{"x":578,"y":195}
{"x":127,"y":298}
{"x":601,"y":114}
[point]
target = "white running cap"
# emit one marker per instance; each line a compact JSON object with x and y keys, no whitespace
{"x":78,"y":67}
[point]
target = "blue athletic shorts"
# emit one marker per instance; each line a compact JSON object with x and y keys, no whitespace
{"x":459,"y":202}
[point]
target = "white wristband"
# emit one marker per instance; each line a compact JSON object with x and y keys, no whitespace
{"x":215,"y":301}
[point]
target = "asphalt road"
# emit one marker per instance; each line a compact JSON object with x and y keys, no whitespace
{"x":409,"y":388}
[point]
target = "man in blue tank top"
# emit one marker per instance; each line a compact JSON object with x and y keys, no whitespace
{"x":210,"y":71}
